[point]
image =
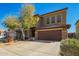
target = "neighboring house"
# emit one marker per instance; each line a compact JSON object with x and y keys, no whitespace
{"x":77,"y":29}
{"x":52,"y":26}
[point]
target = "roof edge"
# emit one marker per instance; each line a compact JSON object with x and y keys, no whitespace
{"x":77,"y":22}
{"x":56,"y":11}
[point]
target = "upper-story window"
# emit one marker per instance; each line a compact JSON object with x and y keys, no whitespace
{"x":48,"y":20}
{"x":59,"y":18}
{"x":53,"y":20}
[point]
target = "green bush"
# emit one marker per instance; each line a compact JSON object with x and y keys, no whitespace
{"x":69,"y":47}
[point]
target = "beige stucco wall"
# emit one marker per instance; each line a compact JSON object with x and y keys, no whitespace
{"x":77,"y":30}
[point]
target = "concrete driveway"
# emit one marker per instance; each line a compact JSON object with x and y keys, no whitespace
{"x":30,"y":48}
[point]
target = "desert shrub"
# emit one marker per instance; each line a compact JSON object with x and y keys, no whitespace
{"x":69,"y":47}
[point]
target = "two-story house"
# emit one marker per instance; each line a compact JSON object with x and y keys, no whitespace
{"x":52,"y":26}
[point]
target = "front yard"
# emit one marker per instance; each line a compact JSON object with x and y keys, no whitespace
{"x":30,"y":48}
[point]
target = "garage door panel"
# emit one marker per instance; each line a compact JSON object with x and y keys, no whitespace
{"x":49,"y":35}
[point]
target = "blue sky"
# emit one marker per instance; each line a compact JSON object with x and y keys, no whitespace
{"x":42,"y":8}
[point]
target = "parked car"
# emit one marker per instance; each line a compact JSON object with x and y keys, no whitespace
{"x":2,"y":36}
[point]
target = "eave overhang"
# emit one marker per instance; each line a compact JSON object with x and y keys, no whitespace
{"x":53,"y":27}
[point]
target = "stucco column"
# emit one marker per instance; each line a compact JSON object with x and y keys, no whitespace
{"x":36,"y":35}
{"x":64,"y":34}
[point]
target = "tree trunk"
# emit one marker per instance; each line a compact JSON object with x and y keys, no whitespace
{"x":23,"y":34}
{"x":28,"y":33}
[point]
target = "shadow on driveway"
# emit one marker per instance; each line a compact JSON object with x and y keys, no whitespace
{"x":45,"y":41}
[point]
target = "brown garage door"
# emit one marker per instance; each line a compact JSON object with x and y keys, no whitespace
{"x":54,"y":35}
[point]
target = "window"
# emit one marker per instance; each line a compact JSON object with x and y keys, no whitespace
{"x":59,"y":18}
{"x":53,"y":20}
{"x":47,"y":20}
